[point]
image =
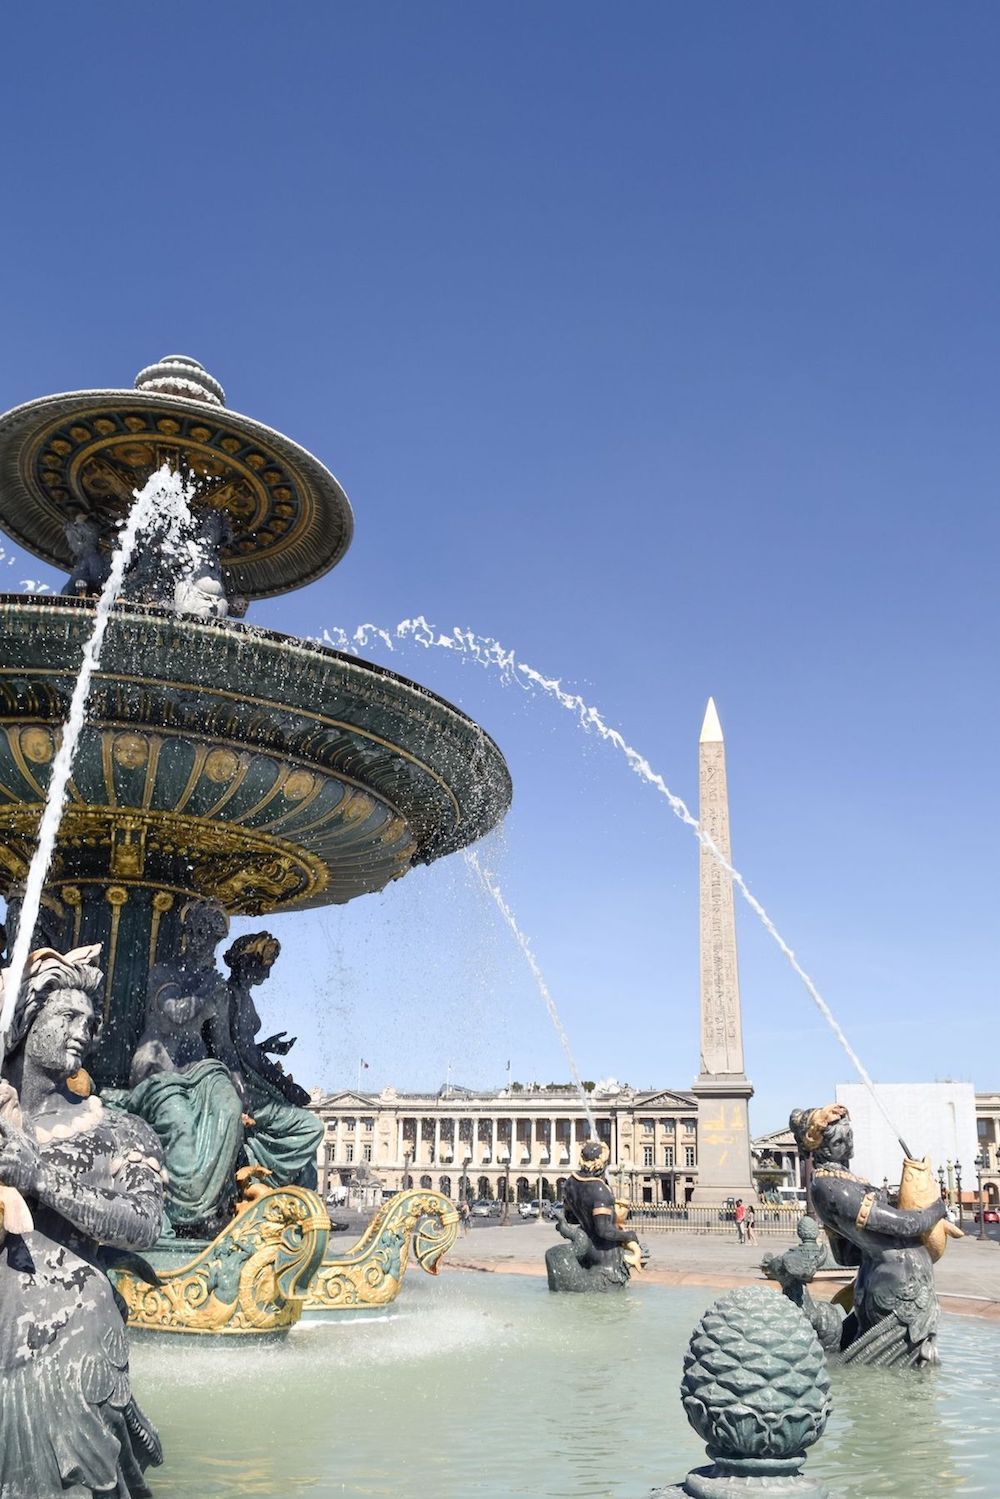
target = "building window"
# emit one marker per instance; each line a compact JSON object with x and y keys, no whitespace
{"x":647,"y":1155}
{"x":668,"y":1156}
{"x":689,"y":1126}
{"x":349,"y":1153}
{"x":350,"y":1124}
{"x":667,"y":1126}
{"x":367,"y":1152}
{"x":368,"y":1125}
{"x":689,"y":1156}
{"x":647,"y":1126}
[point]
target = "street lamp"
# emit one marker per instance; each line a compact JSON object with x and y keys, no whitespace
{"x":463,"y":1185}
{"x":982,"y":1164}
{"x":406,"y":1169}
{"x":958,"y":1184}
{"x":940,"y":1175}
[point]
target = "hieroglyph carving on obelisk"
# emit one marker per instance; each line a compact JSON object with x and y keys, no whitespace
{"x":721,"y":1028}
{"x":722,"y":1089}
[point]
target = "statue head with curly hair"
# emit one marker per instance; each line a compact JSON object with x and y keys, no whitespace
{"x":594,"y":1157}
{"x":824,"y":1133}
{"x":203,"y":924}
{"x":252,"y":956}
{"x":55,"y":1018}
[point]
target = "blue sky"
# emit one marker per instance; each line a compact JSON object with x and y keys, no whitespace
{"x":659,"y":342}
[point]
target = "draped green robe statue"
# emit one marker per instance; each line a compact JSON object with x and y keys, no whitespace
{"x":284,"y":1136}
{"x":192,"y":1100}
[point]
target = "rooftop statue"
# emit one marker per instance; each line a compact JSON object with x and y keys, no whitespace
{"x":893,"y":1318}
{"x":601,"y":1252}
{"x":284,"y":1136}
{"x":81,"y":1182}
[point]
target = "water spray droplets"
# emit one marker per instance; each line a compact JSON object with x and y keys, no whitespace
{"x":492,"y":889}
{"x":487,"y":652}
{"x":162,"y":503}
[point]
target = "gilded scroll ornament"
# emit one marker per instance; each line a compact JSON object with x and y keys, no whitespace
{"x":251,"y":1279}
{"x":372,"y":1272}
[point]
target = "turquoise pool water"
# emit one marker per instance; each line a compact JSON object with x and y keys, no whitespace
{"x":487,"y":1385}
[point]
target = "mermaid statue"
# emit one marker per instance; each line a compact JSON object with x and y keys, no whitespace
{"x":82,"y":1191}
{"x":891,"y":1316}
{"x":600,"y":1252}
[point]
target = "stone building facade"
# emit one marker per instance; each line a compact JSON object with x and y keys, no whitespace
{"x":777,"y":1165}
{"x":461,"y":1142}
{"x":988,"y":1131}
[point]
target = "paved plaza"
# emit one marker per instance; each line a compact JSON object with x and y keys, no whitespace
{"x":968,"y":1277}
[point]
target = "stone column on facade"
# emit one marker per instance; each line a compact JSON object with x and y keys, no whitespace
{"x":722,"y":1088}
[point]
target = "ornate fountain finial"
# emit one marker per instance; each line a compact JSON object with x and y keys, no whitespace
{"x":757,"y":1391}
{"x":178,"y":375}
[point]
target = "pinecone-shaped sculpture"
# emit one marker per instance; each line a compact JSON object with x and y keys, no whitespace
{"x":756,"y":1389}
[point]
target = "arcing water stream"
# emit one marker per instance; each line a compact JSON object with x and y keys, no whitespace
{"x":163,"y":502}
{"x":488,"y":652}
{"x":492,"y":889}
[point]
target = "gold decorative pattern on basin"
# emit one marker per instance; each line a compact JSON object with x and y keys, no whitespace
{"x":251,"y":1279}
{"x":372,"y":1272}
{"x":89,"y":451}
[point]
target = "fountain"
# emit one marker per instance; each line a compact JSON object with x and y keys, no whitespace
{"x":220,"y":770}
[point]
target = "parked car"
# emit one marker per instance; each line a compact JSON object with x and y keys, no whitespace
{"x":532,"y":1209}
{"x":483,"y":1208}
{"x":990,"y":1215}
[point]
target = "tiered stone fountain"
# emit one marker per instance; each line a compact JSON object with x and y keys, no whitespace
{"x":220,"y":762}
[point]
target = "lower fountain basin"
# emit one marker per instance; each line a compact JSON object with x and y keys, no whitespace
{"x":487,"y":1385}
{"x":223,"y":762}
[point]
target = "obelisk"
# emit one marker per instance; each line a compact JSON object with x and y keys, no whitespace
{"x":722,"y":1088}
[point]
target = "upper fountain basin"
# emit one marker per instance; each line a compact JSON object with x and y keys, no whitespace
{"x":226,"y":761}
{"x":87,"y":452}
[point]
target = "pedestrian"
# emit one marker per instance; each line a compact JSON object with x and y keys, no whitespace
{"x":750,"y":1220}
{"x":740,"y":1215}
{"x":463,"y":1215}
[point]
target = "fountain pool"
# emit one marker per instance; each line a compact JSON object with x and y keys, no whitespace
{"x":487,"y":1385}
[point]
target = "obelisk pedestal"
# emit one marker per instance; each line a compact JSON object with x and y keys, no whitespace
{"x":722,"y":1088}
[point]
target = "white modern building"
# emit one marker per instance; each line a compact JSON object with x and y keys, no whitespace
{"x":934,"y":1119}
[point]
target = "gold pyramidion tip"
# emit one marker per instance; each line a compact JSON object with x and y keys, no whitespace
{"x":711,"y":729}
